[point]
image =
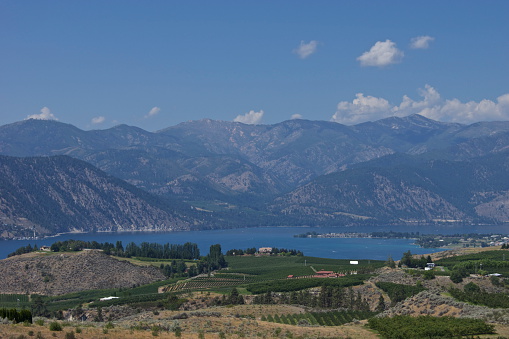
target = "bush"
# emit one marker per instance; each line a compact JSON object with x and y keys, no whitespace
{"x":55,"y":326}
{"x":456,"y":277}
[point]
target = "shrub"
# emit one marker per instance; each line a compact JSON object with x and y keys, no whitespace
{"x":55,"y":326}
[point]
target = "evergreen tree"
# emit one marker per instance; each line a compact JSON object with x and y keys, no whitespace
{"x":390,"y":262}
{"x":381,"y":304}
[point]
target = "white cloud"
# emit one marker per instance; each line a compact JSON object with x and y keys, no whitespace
{"x":361,"y":109}
{"x":296,"y":116}
{"x":154,"y":111}
{"x":368,"y":108}
{"x":250,"y":118}
{"x":421,"y":42}
{"x":383,"y":53}
{"x":98,"y":120}
{"x":486,"y":110}
{"x":305,"y":50}
{"x":45,"y":115}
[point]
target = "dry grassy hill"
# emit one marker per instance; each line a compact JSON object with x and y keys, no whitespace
{"x":60,"y":273}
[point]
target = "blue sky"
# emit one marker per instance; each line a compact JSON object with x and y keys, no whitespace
{"x":153,"y":64}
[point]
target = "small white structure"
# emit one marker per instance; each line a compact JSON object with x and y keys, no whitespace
{"x":108,"y":298}
{"x":354,"y":262}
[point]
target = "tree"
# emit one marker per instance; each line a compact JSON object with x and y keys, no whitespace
{"x":381,"y":304}
{"x":407,"y":259}
{"x":390,"y":262}
{"x":456,"y":277}
{"x":119,"y":247}
{"x":39,"y":306}
{"x":235,"y":298}
{"x":471,"y":288}
{"x":215,"y":258}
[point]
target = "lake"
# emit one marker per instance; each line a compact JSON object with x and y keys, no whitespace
{"x":281,"y":237}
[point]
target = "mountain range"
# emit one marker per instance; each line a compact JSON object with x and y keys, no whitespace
{"x":210,"y":174}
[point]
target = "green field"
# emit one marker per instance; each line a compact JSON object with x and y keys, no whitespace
{"x":279,"y":267}
{"x":248,"y":273}
{"x":496,"y":261}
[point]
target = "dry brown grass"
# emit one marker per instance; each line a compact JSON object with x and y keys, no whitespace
{"x":233,"y":322}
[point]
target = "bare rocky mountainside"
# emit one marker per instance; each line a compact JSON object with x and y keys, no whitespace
{"x":215,"y":173}
{"x":48,"y":195}
{"x":71,"y":272}
{"x":407,"y":188}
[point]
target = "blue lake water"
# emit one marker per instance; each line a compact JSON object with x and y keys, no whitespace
{"x":281,"y":237}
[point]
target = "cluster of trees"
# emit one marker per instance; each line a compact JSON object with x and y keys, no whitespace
{"x":472,"y":293}
{"x":213,"y":261}
{"x":464,"y":269}
{"x":408,"y":327}
{"x":233,"y":252}
{"x":409,"y":260}
{"x":234,"y":298}
{"x":13,"y":314}
{"x":178,"y":269}
{"x":398,"y":292}
{"x":275,"y":251}
{"x":24,"y":249}
{"x":188,"y":251}
{"x":329,"y":297}
{"x":395,"y":235}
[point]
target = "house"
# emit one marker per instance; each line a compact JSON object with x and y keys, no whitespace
{"x":265,"y":250}
{"x":325,"y":274}
{"x":45,"y":248}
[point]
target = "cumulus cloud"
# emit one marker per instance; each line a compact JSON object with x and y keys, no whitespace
{"x":421,"y":42}
{"x":44,"y":115}
{"x":382,"y":53}
{"x":250,"y":118}
{"x":305,"y":50}
{"x":361,"y":109}
{"x":98,"y":120}
{"x":296,"y":116}
{"x":154,"y":111}
{"x":431,"y":105}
